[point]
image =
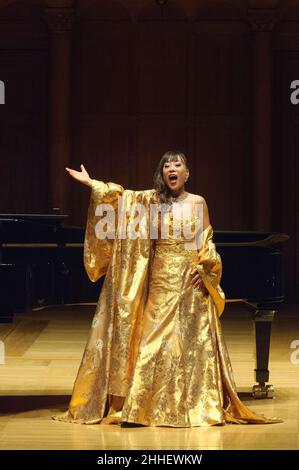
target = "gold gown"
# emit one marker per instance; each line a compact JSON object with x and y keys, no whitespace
{"x":155,"y":355}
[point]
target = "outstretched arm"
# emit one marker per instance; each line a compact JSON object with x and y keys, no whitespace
{"x":97,"y":252}
{"x":101,"y":192}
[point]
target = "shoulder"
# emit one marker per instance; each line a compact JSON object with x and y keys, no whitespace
{"x":199,"y":199}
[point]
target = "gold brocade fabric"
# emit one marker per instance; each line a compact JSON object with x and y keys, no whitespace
{"x":155,"y":355}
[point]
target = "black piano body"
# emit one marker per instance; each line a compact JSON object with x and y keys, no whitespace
{"x":41,"y":263}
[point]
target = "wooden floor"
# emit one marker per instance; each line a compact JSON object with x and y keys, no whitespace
{"x":43,"y":351}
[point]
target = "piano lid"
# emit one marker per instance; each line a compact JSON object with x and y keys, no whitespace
{"x":248,"y":238}
{"x":37,"y":217}
{"x":30,"y":228}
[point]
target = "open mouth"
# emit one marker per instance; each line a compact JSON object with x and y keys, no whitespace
{"x":173,"y":179}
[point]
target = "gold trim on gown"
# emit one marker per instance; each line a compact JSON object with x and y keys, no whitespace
{"x":156,"y":354}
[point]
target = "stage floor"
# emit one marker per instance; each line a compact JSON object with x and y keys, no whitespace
{"x":43,"y":350}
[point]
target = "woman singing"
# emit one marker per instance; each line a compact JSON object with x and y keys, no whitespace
{"x":155,"y":355}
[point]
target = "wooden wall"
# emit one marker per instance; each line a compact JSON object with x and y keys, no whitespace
{"x":158,"y":85}
{"x":24,"y":117}
{"x":114,"y":84}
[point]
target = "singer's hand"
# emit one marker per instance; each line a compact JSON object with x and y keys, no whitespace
{"x":196,"y":280}
{"x":81,"y":176}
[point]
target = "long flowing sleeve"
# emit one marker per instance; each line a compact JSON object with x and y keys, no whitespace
{"x":98,"y":252}
{"x":209,"y":266}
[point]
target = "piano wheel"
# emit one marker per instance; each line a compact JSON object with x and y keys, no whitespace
{"x":263,"y":391}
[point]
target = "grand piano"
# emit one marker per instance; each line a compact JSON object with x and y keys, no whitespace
{"x":41,"y":263}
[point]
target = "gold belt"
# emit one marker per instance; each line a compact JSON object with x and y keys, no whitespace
{"x":161,"y":241}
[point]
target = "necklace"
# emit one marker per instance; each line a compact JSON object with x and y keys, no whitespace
{"x":179,"y":198}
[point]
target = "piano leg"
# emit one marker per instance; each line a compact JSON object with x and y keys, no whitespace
{"x":263,"y":322}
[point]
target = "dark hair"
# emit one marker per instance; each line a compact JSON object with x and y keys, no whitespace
{"x":162,"y":190}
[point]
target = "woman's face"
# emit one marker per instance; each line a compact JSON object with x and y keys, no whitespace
{"x":175,"y":174}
